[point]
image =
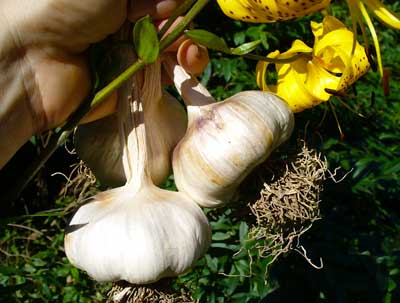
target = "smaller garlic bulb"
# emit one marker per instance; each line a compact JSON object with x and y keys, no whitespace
{"x":225,"y":140}
{"x":99,"y":146}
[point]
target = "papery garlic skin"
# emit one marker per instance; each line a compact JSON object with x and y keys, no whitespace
{"x":225,"y":141}
{"x":139,"y":237}
{"x":170,"y":123}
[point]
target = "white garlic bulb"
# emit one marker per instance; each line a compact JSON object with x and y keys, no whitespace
{"x":98,"y":143}
{"x":225,"y":140}
{"x":138,"y":232}
{"x":139,"y":237}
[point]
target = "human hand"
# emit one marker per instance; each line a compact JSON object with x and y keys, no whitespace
{"x":44,"y":73}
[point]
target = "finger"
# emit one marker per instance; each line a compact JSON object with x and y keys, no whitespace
{"x":69,"y":24}
{"x":158,"y":9}
{"x":105,"y":108}
{"x":192,"y":57}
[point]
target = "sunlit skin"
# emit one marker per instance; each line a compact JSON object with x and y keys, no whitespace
{"x":44,"y":72}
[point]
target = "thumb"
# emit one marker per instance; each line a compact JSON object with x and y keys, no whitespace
{"x":158,"y":9}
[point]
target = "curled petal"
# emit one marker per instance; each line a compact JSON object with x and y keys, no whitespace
{"x":261,"y":70}
{"x":291,"y":88}
{"x":327,"y":25}
{"x":298,"y":46}
{"x":318,"y":80}
{"x":383,"y":14}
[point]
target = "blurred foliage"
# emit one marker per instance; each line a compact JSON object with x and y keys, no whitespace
{"x":358,"y":237}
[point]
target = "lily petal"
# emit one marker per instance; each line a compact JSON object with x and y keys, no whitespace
{"x":318,"y":79}
{"x":383,"y":14}
{"x":265,"y":11}
{"x":374,"y":37}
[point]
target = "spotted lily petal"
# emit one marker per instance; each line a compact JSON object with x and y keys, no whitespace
{"x":265,"y":11}
{"x":336,"y":55}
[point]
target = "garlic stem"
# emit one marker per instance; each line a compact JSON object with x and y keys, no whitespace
{"x":191,"y":90}
{"x":152,"y":90}
{"x":132,"y":130}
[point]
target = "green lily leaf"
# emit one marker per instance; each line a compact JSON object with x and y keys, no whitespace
{"x":245,"y":48}
{"x":208,"y":40}
{"x":146,"y":40}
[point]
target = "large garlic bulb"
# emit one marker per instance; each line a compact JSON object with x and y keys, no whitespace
{"x":225,"y":140}
{"x":98,"y":143}
{"x":138,"y":233}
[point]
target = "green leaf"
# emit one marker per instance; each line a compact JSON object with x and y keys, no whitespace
{"x":29,"y":268}
{"x":208,"y":40}
{"x":8,"y":270}
{"x":212,"y":263}
{"x":391,"y":285}
{"x":146,"y":40}
{"x":219,"y":236}
{"x":243,"y":230}
{"x":239,"y":37}
{"x":245,"y":48}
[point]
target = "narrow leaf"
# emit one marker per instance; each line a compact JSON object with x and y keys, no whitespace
{"x":208,"y":40}
{"x":245,"y":48}
{"x":146,"y":40}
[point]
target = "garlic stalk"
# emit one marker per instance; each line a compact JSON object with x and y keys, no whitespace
{"x":98,"y":143}
{"x":224,"y":140}
{"x":137,"y":232}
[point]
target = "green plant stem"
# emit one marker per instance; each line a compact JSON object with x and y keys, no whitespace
{"x":178,"y":12}
{"x":180,"y":28}
{"x":275,"y":60}
{"x":116,"y":83}
{"x":59,"y":138}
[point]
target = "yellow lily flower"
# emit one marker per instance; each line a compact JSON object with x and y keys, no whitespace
{"x":270,"y":10}
{"x":358,"y":11}
{"x":331,"y":64}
